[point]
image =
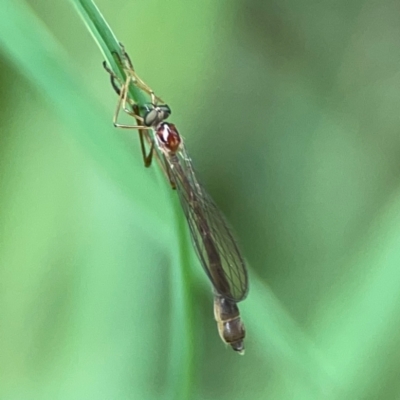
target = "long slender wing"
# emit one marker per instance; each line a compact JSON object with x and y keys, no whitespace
{"x":211,"y":236}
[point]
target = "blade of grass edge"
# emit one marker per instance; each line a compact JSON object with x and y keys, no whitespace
{"x":106,"y":40}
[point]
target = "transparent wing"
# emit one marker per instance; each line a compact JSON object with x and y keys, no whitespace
{"x":211,"y":236}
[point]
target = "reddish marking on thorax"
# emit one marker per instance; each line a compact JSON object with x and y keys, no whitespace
{"x":169,"y":136}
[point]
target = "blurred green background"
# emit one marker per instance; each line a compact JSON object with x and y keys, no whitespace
{"x":290,"y":111}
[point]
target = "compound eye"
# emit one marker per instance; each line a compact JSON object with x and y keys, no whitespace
{"x":166,"y":111}
{"x":156,"y":114}
{"x":152,"y":117}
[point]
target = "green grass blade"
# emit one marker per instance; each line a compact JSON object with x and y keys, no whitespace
{"x":36,"y":55}
{"x":106,"y":40}
{"x":27,"y":44}
{"x":181,"y":370}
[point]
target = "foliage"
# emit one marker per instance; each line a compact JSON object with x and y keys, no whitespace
{"x":289,"y":111}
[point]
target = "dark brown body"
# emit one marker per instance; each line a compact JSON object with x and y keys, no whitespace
{"x":230,"y":327}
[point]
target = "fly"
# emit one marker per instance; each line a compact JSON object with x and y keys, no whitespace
{"x":213,"y":241}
